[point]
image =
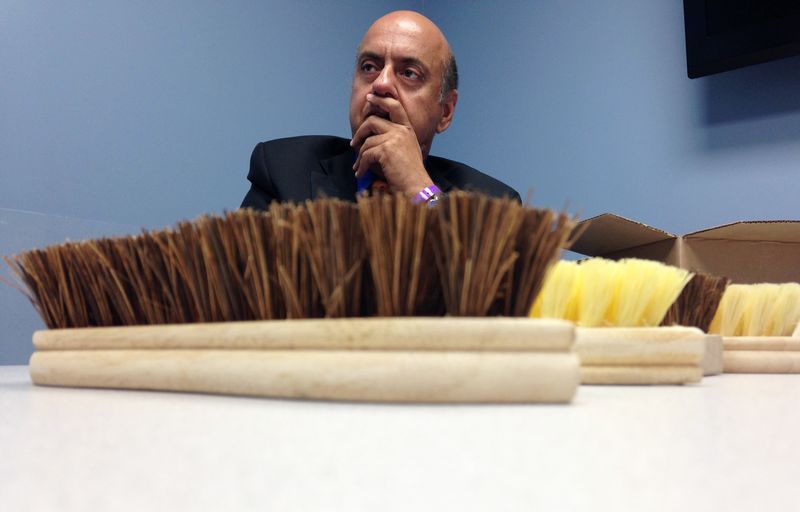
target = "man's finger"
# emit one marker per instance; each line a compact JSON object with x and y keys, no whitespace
{"x":373,"y":125}
{"x":397,"y":114}
{"x":366,"y":160}
{"x":363,"y":164}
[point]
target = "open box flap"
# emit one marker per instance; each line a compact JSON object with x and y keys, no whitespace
{"x":753,"y":230}
{"x":609,"y":233}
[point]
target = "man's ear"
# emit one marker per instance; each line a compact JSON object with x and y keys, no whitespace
{"x":448,"y":109}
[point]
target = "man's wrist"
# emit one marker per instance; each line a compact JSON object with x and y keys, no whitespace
{"x":428,"y":194}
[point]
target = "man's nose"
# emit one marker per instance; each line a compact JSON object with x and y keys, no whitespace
{"x":384,"y":84}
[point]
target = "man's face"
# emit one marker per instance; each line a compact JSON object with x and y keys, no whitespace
{"x":403,"y":58}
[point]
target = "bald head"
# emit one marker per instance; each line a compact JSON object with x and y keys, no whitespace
{"x":411,"y":19}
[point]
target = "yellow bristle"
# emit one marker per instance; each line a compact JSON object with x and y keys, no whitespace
{"x":785,"y":314}
{"x":758,"y":310}
{"x":599,"y":292}
{"x":670,"y":282}
{"x":597,"y":288}
{"x":728,"y":319}
{"x":646,"y":291}
{"x":554,"y":301}
{"x":636,"y":279}
{"x":758,"y":306}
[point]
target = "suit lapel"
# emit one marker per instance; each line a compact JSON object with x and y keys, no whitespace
{"x":334,"y":178}
{"x":437,"y":174}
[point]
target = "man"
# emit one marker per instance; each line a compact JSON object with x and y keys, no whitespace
{"x":404,"y":92}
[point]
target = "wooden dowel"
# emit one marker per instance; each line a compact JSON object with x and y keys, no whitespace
{"x":640,"y":345}
{"x":762,"y":361}
{"x":772,"y":343}
{"x":432,"y":333}
{"x":381,"y":376}
{"x":640,"y":375}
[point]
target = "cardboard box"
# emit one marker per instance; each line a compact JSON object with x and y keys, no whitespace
{"x":746,"y":251}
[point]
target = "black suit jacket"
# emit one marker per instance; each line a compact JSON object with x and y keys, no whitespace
{"x":300,"y":168}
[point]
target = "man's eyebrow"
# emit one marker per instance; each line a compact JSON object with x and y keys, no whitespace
{"x":368,"y":56}
{"x":413,"y":61}
{"x":406,"y":61}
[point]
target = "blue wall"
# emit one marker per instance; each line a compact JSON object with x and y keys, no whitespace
{"x":119,"y":115}
{"x":123,"y":114}
{"x":589,"y":103}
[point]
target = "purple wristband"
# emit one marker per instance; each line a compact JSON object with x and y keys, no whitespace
{"x":425,"y":194}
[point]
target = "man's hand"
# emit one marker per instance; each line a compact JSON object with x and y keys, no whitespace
{"x":390,"y":147}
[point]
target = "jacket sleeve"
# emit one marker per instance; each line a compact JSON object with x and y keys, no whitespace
{"x":262,"y":191}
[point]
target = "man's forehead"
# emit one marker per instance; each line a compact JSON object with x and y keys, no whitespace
{"x":404,"y":39}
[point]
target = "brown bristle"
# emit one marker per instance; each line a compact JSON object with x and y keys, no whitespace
{"x":698,"y":302}
{"x":542,"y":236}
{"x":469,"y":256}
{"x":337,"y":253}
{"x":399,"y":240}
{"x":475,"y":250}
{"x":252,"y":232}
{"x":493,"y":253}
{"x":293,"y":264}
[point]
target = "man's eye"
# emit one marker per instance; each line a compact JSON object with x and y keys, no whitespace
{"x":410,"y":73}
{"x":368,"y":67}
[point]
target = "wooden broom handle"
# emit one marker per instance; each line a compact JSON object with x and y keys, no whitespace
{"x":410,"y":333}
{"x":371,"y":375}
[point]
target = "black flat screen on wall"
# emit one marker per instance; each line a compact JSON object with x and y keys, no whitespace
{"x":729,"y":34}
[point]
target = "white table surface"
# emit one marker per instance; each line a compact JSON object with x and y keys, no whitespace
{"x":730,"y":443}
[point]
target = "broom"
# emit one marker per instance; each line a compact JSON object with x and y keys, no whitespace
{"x":760,"y":328}
{"x":618,"y":307}
{"x":231,"y":304}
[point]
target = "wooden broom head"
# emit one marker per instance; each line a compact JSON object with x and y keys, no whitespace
{"x":698,"y":302}
{"x":471,"y":255}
